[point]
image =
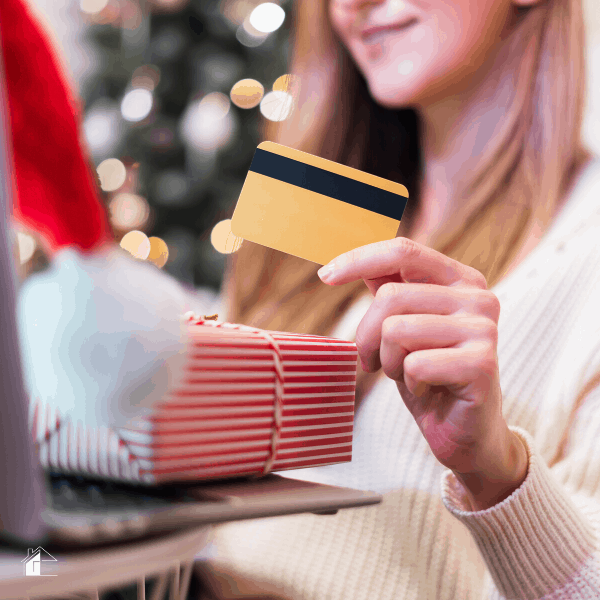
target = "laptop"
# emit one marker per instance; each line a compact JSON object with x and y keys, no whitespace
{"x":61,"y":511}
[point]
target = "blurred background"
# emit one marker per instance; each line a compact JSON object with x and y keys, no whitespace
{"x":175,"y":92}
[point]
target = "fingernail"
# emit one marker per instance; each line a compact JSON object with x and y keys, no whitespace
{"x":326,"y":271}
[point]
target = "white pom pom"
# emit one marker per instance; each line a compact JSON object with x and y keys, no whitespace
{"x":103,"y":339}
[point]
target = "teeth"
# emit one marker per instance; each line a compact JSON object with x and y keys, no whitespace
{"x":394,"y":7}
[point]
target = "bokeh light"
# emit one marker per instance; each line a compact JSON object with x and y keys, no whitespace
{"x":236,"y":10}
{"x":208,"y":125}
{"x":27,"y":246}
{"x":178,"y":94}
{"x":110,"y":14}
{"x":287,"y":83}
{"x":128,"y":211}
{"x":101,"y":128}
{"x":136,"y":104}
{"x":112,"y":173}
{"x":131,"y":15}
{"x":170,"y":5}
{"x":223,"y":239}
{"x":219,"y":104}
{"x":137,"y":244}
{"x":247,"y":93}
{"x":92,"y":7}
{"x":276,"y":106}
{"x":249,"y":36}
{"x":146,"y":77}
{"x":159,"y":252}
{"x":267,"y":17}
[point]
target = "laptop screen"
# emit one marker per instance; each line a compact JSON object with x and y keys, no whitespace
{"x":23,"y":494}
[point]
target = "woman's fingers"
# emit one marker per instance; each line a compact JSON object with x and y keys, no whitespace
{"x":404,"y":258}
{"x":406,"y":334}
{"x":398,"y":299}
{"x":455,"y":368}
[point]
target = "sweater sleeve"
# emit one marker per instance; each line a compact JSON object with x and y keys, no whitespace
{"x":542,"y":541}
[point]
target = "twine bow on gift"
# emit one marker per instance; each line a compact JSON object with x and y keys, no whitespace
{"x":279,"y":379}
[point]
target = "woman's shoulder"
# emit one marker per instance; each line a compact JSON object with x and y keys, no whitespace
{"x":587,"y":184}
{"x":589,"y":178}
{"x":582,"y":206}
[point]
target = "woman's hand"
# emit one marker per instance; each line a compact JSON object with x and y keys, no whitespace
{"x":432,"y":327}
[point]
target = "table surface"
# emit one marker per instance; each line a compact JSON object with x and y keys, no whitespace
{"x":107,"y":567}
{"x":107,"y":549}
{"x":205,"y":504}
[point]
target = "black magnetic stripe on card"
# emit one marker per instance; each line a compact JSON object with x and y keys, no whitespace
{"x":329,"y":184}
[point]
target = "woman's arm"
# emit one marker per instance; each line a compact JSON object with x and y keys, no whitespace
{"x":432,"y":328}
{"x":542,"y":541}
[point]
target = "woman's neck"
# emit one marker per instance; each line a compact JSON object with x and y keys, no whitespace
{"x":463,"y":131}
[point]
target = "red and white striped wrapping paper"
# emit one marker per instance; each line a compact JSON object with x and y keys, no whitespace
{"x":250,"y":402}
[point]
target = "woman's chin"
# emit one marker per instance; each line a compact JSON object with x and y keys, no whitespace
{"x":391,"y":97}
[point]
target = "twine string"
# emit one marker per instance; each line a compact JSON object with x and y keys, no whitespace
{"x":279,"y":379}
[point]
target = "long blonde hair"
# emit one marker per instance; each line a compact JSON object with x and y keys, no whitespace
{"x":520,"y":184}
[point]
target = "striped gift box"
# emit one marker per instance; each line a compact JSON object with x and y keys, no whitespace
{"x":249,"y":402}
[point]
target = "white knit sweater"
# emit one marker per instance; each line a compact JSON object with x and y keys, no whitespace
{"x":422,"y":542}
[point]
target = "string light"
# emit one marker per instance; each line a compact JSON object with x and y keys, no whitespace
{"x":249,"y":36}
{"x":146,"y":76}
{"x":236,"y":10}
{"x":137,"y":244}
{"x":136,"y":105}
{"x":276,"y":106}
{"x":101,"y":127}
{"x":267,"y":17}
{"x":159,"y":252}
{"x":223,"y":239}
{"x":27,"y":246}
{"x":287,"y":83}
{"x":208,"y":125}
{"x":109,"y":12}
{"x":218,"y":104}
{"x":128,"y":211}
{"x":171,"y":5}
{"x":112,"y":173}
{"x":92,"y":7}
{"x":247,"y":93}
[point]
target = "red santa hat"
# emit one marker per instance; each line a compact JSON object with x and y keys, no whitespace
{"x":111,"y":341}
{"x":55,"y":189}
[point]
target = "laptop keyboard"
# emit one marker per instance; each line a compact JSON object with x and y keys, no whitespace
{"x":73,"y":493}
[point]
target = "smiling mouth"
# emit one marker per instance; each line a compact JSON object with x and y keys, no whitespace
{"x":377,"y":35}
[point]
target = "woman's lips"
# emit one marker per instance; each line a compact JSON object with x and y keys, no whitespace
{"x":375,"y":35}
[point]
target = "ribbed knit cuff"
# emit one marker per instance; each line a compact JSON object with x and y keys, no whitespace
{"x":535,"y":541}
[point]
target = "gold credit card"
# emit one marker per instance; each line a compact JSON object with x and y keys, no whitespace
{"x":314,"y":208}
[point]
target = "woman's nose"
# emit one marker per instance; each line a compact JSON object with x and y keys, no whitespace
{"x":387,"y":8}
{"x":359,"y":5}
